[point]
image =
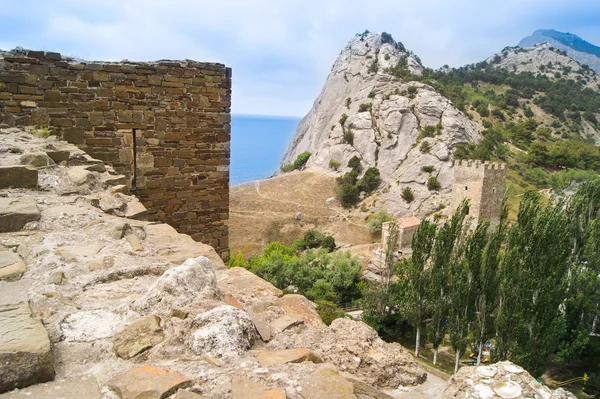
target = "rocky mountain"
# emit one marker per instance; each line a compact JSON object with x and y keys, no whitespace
{"x":365,"y":110}
{"x":575,"y":47}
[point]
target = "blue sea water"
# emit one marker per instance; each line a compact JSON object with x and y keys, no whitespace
{"x":257,"y":145}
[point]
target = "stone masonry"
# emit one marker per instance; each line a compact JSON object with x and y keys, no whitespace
{"x":483,"y":184}
{"x":165,"y":125}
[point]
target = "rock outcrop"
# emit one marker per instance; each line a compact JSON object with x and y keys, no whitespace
{"x":503,"y":380}
{"x":387,"y":118}
{"x":123,"y":308}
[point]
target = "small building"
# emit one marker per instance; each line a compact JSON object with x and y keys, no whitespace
{"x":406,"y":229}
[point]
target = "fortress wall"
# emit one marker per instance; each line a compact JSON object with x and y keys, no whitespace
{"x":172,"y":117}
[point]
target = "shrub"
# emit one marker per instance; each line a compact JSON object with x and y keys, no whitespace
{"x":433,"y":184}
{"x":528,"y":112}
{"x":236,"y":260}
{"x":364,"y":107}
{"x":370,"y":180}
{"x":374,"y":66}
{"x":288,"y":167}
{"x":427,"y":168}
{"x":348,"y":101}
{"x":328,"y":243}
{"x":349,"y":178}
{"x":425,"y":147}
{"x":412,"y":91}
{"x":482,"y":109}
{"x":499,"y":114}
{"x":329,"y":311}
{"x":376,"y":220}
{"x":429,"y":131}
{"x":343,"y":119}
{"x":407,"y":194}
{"x":301,"y":159}
{"x":42,"y":132}
{"x":347,"y":194}
{"x":355,"y":164}
{"x":371,"y":93}
{"x":386,"y":57}
{"x":349,"y":136}
{"x":334,"y":164}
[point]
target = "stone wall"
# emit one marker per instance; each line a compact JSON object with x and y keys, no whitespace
{"x":174,"y":115}
{"x":483,"y":184}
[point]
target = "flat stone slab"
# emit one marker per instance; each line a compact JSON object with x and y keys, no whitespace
{"x":72,"y":388}
{"x":299,"y":355}
{"x":12,"y":266}
{"x":16,"y":212}
{"x":283,"y":323}
{"x":18,"y":176}
{"x":327,"y":383}
{"x":298,"y":306}
{"x":138,"y":337}
{"x":71,"y":253}
{"x":36,"y":158}
{"x":25,"y":354}
{"x":147,"y":382}
{"x":183,"y":394}
{"x":244,"y":388}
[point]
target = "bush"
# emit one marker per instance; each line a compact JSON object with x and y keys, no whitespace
{"x":433,"y":184}
{"x":407,"y":194}
{"x":328,"y":243}
{"x":425,"y":147}
{"x":236,"y":260}
{"x":288,"y":167}
{"x":334,"y":164}
{"x":364,"y":107}
{"x":371,"y":93}
{"x":370,"y":180}
{"x":427,"y":168}
{"x":329,"y":311}
{"x":499,"y":114}
{"x":349,"y":136}
{"x":302,"y":159}
{"x":348,"y":101}
{"x":412,"y":91}
{"x":355,"y":164}
{"x":347,"y":194}
{"x":376,"y":220}
{"x":349,"y":178}
{"x":344,"y":117}
{"x":429,"y":131}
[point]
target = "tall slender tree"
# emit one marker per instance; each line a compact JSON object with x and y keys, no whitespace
{"x":415,"y":277}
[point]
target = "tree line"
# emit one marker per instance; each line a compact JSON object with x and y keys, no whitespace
{"x":532,"y":286}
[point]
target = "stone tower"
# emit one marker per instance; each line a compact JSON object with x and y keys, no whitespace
{"x":483,"y":184}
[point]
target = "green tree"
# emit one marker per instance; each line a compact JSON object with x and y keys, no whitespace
{"x":355,"y":164}
{"x":376,"y":220}
{"x":334,"y":164}
{"x":414,"y":277}
{"x":370,"y":180}
{"x":407,"y":194}
{"x":347,"y":194}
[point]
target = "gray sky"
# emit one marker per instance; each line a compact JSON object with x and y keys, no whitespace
{"x":281,"y":51}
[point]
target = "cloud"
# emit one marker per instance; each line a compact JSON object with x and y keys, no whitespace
{"x":282,"y":50}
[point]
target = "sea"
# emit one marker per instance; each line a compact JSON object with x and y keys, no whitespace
{"x":257,"y":145}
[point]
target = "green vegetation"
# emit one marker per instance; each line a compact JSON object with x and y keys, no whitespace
{"x":433,"y":184}
{"x":343,"y":119}
{"x":348,"y":136}
{"x":427,"y":168}
{"x":370,"y":180}
{"x":317,"y":274}
{"x":299,"y":163}
{"x":407,"y":194}
{"x":334,"y":164}
{"x":532,"y":288}
{"x":314,"y":239}
{"x":376,"y":220}
{"x":365,"y":107}
{"x":371,"y":93}
{"x":348,"y":101}
{"x":354,"y":164}
{"x":425,"y":147}
{"x":42,"y":132}
{"x":350,"y":186}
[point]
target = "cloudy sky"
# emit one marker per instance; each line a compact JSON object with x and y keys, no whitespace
{"x":281,"y":50}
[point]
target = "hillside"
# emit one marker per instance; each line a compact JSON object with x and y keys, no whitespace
{"x":535,"y":108}
{"x":575,"y":47}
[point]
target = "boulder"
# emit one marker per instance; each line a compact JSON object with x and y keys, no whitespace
{"x":222,"y":332}
{"x":284,"y":322}
{"x":25,"y":353}
{"x":18,"y":176}
{"x":187,"y":286}
{"x":79,"y":175}
{"x":16,"y":212}
{"x":12,"y":266}
{"x":58,"y":156}
{"x":147,"y":382}
{"x":246,"y":285}
{"x":503,"y":380}
{"x":273,"y":358}
{"x":138,"y":337}
{"x":355,"y":348}
{"x":37,"y":159}
{"x":298,"y":306}
{"x":244,"y":388}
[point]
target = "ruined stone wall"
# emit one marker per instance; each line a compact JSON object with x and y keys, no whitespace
{"x":179,"y":112}
{"x":483,"y":184}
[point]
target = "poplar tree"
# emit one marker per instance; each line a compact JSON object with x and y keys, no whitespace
{"x":445,"y":251}
{"x":415,"y":277}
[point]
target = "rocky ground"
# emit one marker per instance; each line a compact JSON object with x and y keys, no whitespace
{"x":96,"y":303}
{"x":97,"y":300}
